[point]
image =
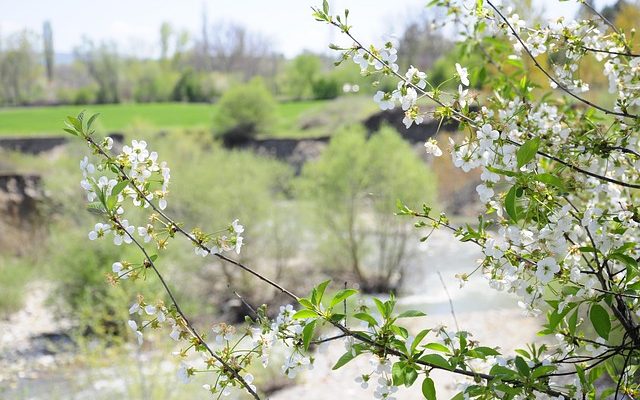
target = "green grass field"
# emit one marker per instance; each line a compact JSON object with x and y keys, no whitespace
{"x":118,"y":117}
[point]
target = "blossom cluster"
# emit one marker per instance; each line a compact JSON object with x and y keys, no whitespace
{"x":557,"y":185}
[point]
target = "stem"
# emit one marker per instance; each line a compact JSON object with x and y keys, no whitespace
{"x":192,"y":329}
{"x":554,"y":80}
{"x":458,"y":116}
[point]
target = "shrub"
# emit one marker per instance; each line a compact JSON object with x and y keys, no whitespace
{"x":85,"y":95}
{"x":325,"y":88}
{"x":244,"y":110}
{"x":353,"y":189}
{"x":188,"y":88}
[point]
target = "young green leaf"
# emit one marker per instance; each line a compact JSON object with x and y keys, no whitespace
{"x":410,"y":375}
{"x":418,"y":339}
{"x":319,"y":291}
{"x":93,"y":118}
{"x":342,"y":295}
{"x":550,"y":179}
{"x":527,"y":151}
{"x":366,"y":318}
{"x":397,"y":373}
{"x":307,"y":334}
{"x":428,"y":389}
{"x":346,"y":357}
{"x":510,"y":203}
{"x":437,"y":347}
{"x":600,"y":319}
{"x":437,"y":360}
{"x":119,"y":187}
{"x":411,"y":314}
{"x":522,"y":366}
{"x":304,"y":314}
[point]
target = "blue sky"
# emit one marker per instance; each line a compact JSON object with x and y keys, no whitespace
{"x":134,"y":24}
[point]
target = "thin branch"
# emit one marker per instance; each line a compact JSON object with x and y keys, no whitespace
{"x":613,"y":53}
{"x":606,"y":21}
{"x":193,"y":331}
{"x":457,"y":115}
{"x":453,"y":312}
{"x":554,"y":80}
{"x":622,"y":373}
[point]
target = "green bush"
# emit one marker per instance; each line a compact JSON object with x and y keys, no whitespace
{"x":352,"y":189}
{"x":151,"y":82}
{"x":300,"y":74}
{"x":85,"y":95}
{"x":325,"y":88}
{"x":245,"y":110}
{"x":16,"y":273}
{"x":210,"y":188}
{"x":188,"y":88}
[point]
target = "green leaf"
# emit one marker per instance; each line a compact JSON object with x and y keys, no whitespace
{"x":410,"y":376}
{"x":366,"y":318}
{"x":550,"y":179}
{"x":346,"y":357}
{"x":411,"y":314}
{"x":96,"y":208}
{"x":542,"y":370}
{"x":90,"y":122}
{"x":418,"y":339}
{"x":307,"y":334}
{"x":306,"y":303}
{"x":502,"y":372}
{"x":71,"y":131}
{"x":342,"y":295}
{"x":572,"y":322}
{"x":429,"y":389}
{"x":381,"y":308}
{"x":75,"y":123}
{"x":527,"y":151}
{"x":502,"y":171}
{"x":600,"y":319}
{"x":304,"y":314}
{"x":437,"y":360}
{"x":111,"y":202}
{"x":485,"y":351}
{"x":625,"y":259}
{"x":397,"y":373}
{"x":437,"y":347}
{"x":318,"y":292}
{"x":400,"y":331}
{"x":402,"y":208}
{"x":336,"y":317}
{"x":119,"y":187}
{"x":510,"y":203}
{"x":522,"y":366}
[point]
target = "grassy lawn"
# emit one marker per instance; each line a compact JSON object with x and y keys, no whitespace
{"x":118,"y":117}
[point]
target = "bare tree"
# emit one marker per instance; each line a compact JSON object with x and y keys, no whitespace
{"x":420,"y":44}
{"x":231,"y":48}
{"x":19,"y":69}
{"x":47,"y":38}
{"x":165,"y":35}
{"x":103,"y":64}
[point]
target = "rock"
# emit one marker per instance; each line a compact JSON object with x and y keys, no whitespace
{"x":32,"y":145}
{"x":21,"y":197}
{"x":416,"y":133}
{"x":295,"y":152}
{"x":42,"y":144}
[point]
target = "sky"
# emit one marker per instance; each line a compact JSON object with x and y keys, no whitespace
{"x":287,"y":24}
